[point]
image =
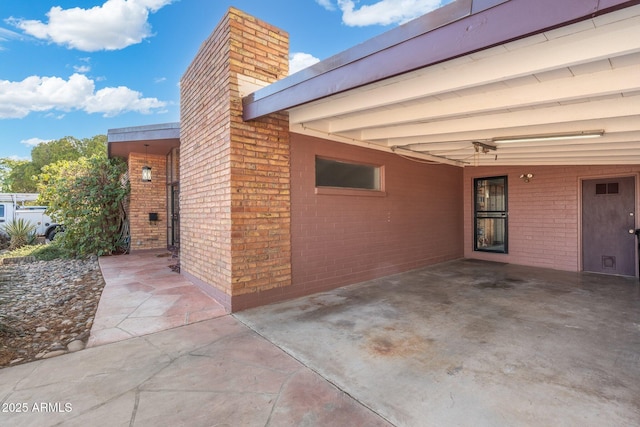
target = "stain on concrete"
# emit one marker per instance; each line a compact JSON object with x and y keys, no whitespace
{"x":394,"y":343}
{"x":493,"y":284}
{"x":454,"y":370}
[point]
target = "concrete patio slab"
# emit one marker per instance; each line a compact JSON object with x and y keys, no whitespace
{"x":472,"y":343}
{"x":142,"y":295}
{"x":465,"y":343}
{"x":216,"y":372}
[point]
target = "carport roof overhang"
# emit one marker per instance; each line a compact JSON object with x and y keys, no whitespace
{"x":150,"y":139}
{"x":445,"y":86}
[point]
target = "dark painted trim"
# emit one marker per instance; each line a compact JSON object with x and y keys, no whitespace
{"x":132,"y":139}
{"x":461,"y":28}
{"x":216,"y":294}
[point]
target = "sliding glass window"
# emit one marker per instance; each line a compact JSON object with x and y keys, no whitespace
{"x":490,"y":214}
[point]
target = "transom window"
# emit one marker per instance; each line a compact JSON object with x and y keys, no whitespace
{"x":341,"y":174}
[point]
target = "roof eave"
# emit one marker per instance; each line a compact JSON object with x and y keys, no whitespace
{"x":460,"y":28}
{"x":159,"y":139}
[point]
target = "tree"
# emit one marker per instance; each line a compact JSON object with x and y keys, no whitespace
{"x":20,"y":177}
{"x":86,"y":195}
{"x":7,"y":166}
{"x":68,"y":148}
{"x":95,"y":146}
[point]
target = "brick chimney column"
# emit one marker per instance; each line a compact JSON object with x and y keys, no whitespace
{"x":235,"y":175}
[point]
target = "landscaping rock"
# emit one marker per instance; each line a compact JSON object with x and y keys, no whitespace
{"x":19,"y":260}
{"x":49,"y":305}
{"x":76,"y":345}
{"x":53,"y":354}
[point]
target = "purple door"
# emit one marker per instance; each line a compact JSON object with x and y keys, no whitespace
{"x":608,"y":222}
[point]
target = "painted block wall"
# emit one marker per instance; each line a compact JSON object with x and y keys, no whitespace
{"x":544,"y":214}
{"x":147,"y":197}
{"x":339,"y":240}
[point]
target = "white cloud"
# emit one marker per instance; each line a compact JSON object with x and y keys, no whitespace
{"x":159,"y":79}
{"x":385,"y":12}
{"x":82,"y":69}
{"x":19,"y":99}
{"x":32,"y":142}
{"x":300,"y":60}
{"x":55,"y":116}
{"x":19,"y":158}
{"x":115,"y":100}
{"x":114,"y":25}
{"x":326,"y":4}
{"x":6,"y":35}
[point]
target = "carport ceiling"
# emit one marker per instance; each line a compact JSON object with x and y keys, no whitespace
{"x":581,"y":77}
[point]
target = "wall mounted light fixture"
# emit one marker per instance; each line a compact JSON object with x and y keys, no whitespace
{"x":526,"y":177}
{"x":550,"y":137}
{"x":146,"y":169}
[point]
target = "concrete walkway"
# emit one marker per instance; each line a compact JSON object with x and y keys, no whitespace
{"x":213,"y":373}
{"x":163,"y":353}
{"x":143,"y":295}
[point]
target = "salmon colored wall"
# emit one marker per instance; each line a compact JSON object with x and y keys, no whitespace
{"x":344,"y":239}
{"x":544,"y":214}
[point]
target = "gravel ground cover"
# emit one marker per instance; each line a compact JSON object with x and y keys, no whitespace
{"x":46,"y":307}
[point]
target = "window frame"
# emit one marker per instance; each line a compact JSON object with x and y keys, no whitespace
{"x":350,"y":191}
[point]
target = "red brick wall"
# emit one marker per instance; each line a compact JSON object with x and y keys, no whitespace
{"x":147,"y":197}
{"x":543,"y":213}
{"x":234,"y":175}
{"x":339,"y":240}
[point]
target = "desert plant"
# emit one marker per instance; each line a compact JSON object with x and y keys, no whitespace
{"x":20,"y":233}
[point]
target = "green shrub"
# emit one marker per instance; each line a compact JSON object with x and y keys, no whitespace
{"x":40,"y":252}
{"x":49,"y":252}
{"x":21,"y":233}
{"x":87,"y":197}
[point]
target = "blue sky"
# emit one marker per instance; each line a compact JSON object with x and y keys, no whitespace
{"x":81,"y":67}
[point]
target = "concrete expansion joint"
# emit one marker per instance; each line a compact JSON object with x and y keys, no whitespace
{"x":275,"y":403}
{"x":134,"y":412}
{"x":315,"y":371}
